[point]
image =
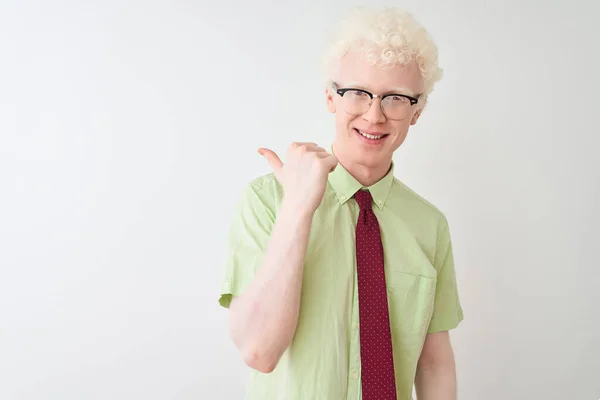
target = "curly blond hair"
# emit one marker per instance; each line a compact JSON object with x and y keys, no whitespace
{"x":386,"y":37}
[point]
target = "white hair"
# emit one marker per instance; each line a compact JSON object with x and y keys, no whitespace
{"x":386,"y":37}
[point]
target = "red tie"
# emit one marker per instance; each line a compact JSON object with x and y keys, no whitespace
{"x":377,"y":362}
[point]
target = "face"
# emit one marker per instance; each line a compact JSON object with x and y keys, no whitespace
{"x":384,"y":134}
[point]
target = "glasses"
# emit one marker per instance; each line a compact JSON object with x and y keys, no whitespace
{"x":358,"y":101}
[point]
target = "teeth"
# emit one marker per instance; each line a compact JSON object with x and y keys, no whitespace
{"x":370,"y":136}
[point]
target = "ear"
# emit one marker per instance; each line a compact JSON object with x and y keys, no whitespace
{"x":415,"y":117}
{"x":330,"y":101}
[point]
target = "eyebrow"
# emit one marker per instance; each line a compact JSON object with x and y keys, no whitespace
{"x":395,"y":90}
{"x":402,"y":90}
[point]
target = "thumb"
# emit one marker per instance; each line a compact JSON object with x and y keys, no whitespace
{"x":272,"y":159}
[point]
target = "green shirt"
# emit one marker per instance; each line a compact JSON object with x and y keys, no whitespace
{"x":323,"y":360}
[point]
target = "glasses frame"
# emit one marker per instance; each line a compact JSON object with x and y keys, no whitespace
{"x":342,"y":91}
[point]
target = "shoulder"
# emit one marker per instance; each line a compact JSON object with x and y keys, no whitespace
{"x":264,"y":186}
{"x":262,"y":192}
{"x":407,"y":194}
{"x":262,"y":181}
{"x":417,"y":206}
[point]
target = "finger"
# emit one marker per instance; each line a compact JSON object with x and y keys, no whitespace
{"x":272,"y":158}
{"x":332,"y":162}
{"x":310,"y":146}
{"x":323,"y":154}
{"x":307,"y":144}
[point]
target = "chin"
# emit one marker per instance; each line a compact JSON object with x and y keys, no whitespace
{"x":371,"y":159}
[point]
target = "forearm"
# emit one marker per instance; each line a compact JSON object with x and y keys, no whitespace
{"x":263,"y":320}
{"x":436,"y":380}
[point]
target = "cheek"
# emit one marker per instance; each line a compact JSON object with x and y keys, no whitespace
{"x":401,"y":129}
{"x":344,"y":120}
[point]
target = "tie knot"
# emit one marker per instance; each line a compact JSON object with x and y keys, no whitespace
{"x":364,"y":199}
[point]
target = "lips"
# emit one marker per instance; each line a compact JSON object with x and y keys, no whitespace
{"x":371,"y":135}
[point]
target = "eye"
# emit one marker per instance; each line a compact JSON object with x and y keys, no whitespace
{"x":357,"y":93}
{"x":399,"y":99}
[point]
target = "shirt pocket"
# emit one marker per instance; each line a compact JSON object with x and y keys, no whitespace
{"x":410,"y":301}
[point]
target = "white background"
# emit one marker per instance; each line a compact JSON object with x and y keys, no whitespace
{"x":127,"y":130}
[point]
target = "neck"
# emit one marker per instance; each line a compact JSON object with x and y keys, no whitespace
{"x":367,"y":175}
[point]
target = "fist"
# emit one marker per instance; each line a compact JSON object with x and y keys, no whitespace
{"x":304,"y":174}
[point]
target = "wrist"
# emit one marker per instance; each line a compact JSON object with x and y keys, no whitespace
{"x":292,"y":210}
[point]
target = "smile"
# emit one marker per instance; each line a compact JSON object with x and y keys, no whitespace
{"x":370,"y":136}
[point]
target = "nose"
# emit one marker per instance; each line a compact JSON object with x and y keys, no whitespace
{"x":374,"y":114}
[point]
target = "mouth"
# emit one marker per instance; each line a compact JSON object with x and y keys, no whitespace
{"x":371,"y":137}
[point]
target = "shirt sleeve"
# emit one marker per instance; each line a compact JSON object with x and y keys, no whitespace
{"x":447,"y":311}
{"x":249,"y":234}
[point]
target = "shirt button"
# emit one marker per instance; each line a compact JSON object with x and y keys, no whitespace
{"x":343,"y":197}
{"x":357,"y":325}
{"x":355,"y":374}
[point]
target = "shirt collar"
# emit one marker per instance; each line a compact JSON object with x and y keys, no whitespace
{"x":345,"y":185}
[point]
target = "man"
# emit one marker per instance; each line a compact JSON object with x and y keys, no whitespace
{"x":340,"y":281}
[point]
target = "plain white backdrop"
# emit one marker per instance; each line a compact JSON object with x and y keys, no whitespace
{"x":128,"y":129}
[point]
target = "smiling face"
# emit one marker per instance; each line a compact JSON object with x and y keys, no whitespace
{"x":368,"y":140}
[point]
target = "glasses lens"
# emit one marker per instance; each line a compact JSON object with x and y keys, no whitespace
{"x":356,"y":102}
{"x":396,"y":107}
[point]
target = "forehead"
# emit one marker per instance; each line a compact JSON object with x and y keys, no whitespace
{"x":354,"y":69}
